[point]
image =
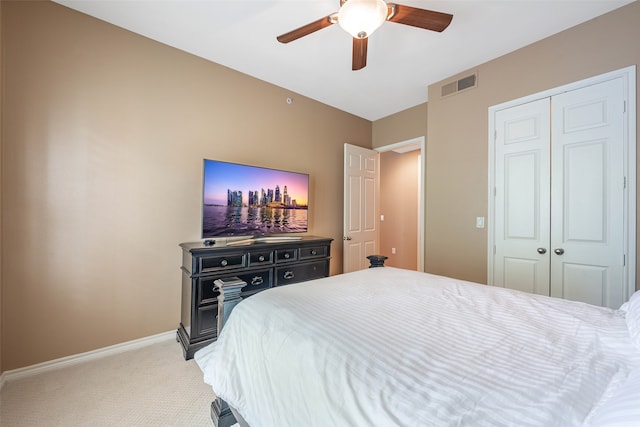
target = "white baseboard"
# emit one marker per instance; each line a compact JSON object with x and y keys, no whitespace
{"x":28,"y":371}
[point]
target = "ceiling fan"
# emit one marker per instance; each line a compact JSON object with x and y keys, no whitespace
{"x":361,"y":18}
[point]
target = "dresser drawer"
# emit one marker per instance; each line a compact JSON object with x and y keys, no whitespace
{"x":261,"y":257}
{"x":256,"y":281}
{"x":314,"y":252}
{"x":206,"y":291}
{"x":301,"y":272}
{"x":206,"y":323}
{"x":221,"y":262}
{"x":286,"y":255}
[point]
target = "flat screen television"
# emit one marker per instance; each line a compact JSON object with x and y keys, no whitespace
{"x":244,"y":200}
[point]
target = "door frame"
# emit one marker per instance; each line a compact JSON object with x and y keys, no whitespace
{"x":405,"y":146}
{"x":629,"y":77}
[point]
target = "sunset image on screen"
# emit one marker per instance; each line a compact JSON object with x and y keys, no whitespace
{"x":241,"y":199}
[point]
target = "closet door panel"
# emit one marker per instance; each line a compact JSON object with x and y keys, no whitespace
{"x":521,"y":258}
{"x":584,"y":193}
{"x":587,"y":194}
{"x":592,"y":280}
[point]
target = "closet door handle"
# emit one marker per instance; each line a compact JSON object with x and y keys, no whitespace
{"x":558,"y":251}
{"x":542,"y":251}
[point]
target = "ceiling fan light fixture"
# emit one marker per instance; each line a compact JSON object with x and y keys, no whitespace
{"x":361,"y":18}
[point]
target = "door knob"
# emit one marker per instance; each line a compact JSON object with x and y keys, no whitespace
{"x":541,"y":251}
{"x":346,"y":238}
{"x":559,"y":251}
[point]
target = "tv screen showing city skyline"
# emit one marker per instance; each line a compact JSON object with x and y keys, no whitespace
{"x":248,"y":200}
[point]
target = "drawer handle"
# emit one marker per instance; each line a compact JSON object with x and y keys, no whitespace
{"x":261,"y":258}
{"x":257,"y":280}
{"x":288,"y":275}
{"x":224,"y":263}
{"x":287,"y":255}
{"x":314,"y":252}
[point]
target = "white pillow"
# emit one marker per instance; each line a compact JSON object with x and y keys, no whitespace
{"x":623,"y":408}
{"x":632,"y":317}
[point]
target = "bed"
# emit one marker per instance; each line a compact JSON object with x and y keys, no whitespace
{"x":392,"y":347}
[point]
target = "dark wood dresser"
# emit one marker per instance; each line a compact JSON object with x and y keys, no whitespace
{"x":261,"y":264}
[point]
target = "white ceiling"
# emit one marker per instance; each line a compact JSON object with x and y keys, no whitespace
{"x":402,"y":60}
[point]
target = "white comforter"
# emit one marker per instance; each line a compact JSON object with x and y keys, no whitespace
{"x":391,"y":347}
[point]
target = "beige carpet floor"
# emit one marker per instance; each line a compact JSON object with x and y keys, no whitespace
{"x":150,"y":386}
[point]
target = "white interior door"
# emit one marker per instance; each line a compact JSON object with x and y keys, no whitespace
{"x":360,"y":207}
{"x":588,"y":185}
{"x":522,"y":197}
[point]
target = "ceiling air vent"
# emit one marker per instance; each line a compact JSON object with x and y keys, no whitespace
{"x":456,"y":86}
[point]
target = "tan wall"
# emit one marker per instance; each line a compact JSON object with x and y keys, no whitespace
{"x":399,"y":175}
{"x":103,"y":140}
{"x":458,"y":126}
{"x":403,"y":126}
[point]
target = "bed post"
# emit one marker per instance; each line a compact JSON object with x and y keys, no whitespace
{"x":221,"y":414}
{"x":376,"y":260}
{"x":230,"y":289}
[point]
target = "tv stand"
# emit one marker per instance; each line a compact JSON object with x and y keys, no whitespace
{"x":262,"y":264}
{"x":264,"y":239}
{"x":277,"y":238}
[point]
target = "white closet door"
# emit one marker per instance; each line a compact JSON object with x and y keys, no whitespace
{"x":521,"y":259}
{"x":587,"y":187}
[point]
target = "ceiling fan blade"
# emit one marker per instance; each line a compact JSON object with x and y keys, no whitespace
{"x":359,"y":57}
{"x":306,"y":29}
{"x":421,"y":18}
